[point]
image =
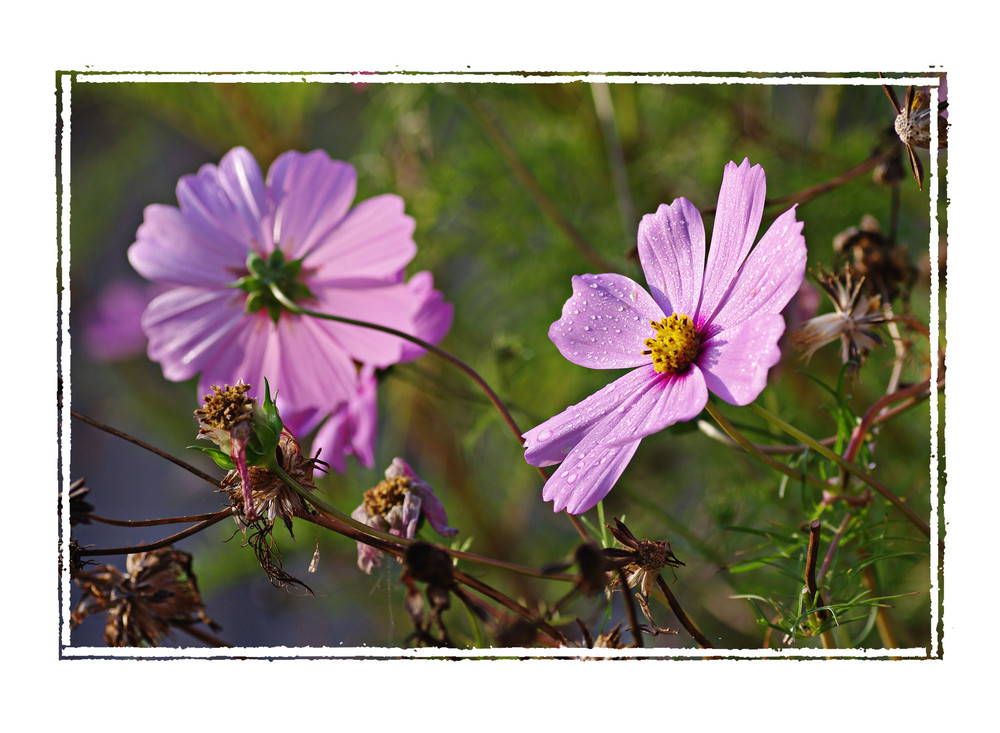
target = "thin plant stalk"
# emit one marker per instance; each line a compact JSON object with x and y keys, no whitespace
{"x":923,"y":526}
{"x":752,"y":449}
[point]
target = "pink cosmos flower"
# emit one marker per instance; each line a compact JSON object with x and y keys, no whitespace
{"x":235,"y":233}
{"x":704,"y":326}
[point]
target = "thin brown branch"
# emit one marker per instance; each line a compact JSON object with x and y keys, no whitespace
{"x":686,"y":622}
{"x":143,"y":444}
{"x":155,"y":522}
{"x":815,"y":596}
{"x":128,"y":550}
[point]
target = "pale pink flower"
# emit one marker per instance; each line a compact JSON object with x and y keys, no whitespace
{"x":233,"y":233}
{"x":110,"y":325}
{"x":395,"y":506}
{"x":704,"y":326}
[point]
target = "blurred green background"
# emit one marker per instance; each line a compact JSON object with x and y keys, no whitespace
{"x":504,"y":181}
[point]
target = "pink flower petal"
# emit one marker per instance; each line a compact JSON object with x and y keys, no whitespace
{"x":605,"y":322}
{"x":771,"y":275}
{"x":374,"y":241}
{"x":111,"y":325}
{"x":304,"y":366}
{"x":672,"y":253}
{"x":639,"y":403}
{"x":310,"y":195}
{"x":436,"y":516}
{"x":172,"y":248}
{"x":551,"y":441}
{"x":589,"y":471}
{"x":385,"y":305}
{"x":229,"y":200}
{"x":737,"y":219}
{"x":735,"y":361}
{"x":189,"y":327}
{"x":351,"y":428}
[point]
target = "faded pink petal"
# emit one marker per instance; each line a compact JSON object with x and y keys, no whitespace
{"x":433,"y":316}
{"x":111,"y":325}
{"x":350,"y":430}
{"x":431,"y":506}
{"x":237,"y":451}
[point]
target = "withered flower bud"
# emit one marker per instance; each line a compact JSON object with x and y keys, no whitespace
{"x":640,"y":560}
{"x":79,"y":507}
{"x":913,"y":122}
{"x":396,"y":505}
{"x":884,"y":265}
{"x":246,"y":432}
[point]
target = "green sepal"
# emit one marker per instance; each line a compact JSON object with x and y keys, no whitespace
{"x":267,"y":425}
{"x":221,"y":459}
{"x":256,"y":265}
{"x":255,"y":301}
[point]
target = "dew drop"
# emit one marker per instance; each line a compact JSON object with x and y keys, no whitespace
{"x":544,"y":435}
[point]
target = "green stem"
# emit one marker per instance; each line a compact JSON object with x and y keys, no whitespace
{"x":846,"y":465}
{"x":752,"y":449}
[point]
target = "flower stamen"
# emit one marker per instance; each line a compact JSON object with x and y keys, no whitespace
{"x":675,"y":345}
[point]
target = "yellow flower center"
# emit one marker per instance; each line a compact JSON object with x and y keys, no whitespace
{"x":390,"y":492}
{"x":675,"y":345}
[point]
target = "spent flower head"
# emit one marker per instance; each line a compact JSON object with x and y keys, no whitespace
{"x":708,"y":323}
{"x":884,"y":264}
{"x":853,"y":321}
{"x":247,"y":432}
{"x":240,"y":248}
{"x":395,"y":505}
{"x":913,"y":122}
{"x":269,"y":492}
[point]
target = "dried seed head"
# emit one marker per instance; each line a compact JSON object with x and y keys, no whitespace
{"x":643,"y":559}
{"x":224,"y":410}
{"x":158,"y":592}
